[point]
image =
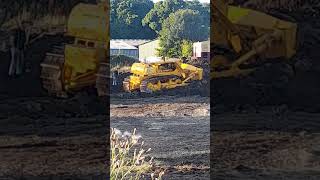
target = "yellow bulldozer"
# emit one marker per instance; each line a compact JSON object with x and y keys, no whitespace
{"x":164,"y":74}
{"x":244,"y":39}
{"x":82,"y":63}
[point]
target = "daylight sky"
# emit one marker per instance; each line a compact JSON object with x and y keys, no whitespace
{"x":207,"y":1}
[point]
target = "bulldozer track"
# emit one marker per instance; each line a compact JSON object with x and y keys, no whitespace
{"x":144,"y":84}
{"x":126,"y":85}
{"x":52,"y":72}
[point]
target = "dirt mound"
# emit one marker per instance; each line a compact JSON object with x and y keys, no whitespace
{"x":193,"y":89}
{"x":159,"y":110}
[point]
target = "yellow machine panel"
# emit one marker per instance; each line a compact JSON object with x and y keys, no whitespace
{"x":140,"y":69}
{"x":80,"y":59}
{"x":81,"y":65}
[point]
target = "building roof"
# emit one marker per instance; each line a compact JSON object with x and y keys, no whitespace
{"x":133,"y":42}
{"x":206,"y":41}
{"x":150,"y":41}
{"x":119,"y":44}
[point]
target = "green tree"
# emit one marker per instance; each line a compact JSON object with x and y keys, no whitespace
{"x":126,"y":18}
{"x":162,"y":9}
{"x":182,"y":25}
{"x":186,"y":48}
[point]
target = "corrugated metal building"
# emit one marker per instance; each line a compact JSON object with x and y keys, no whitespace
{"x":133,"y":42}
{"x":149,"y":49}
{"x":126,"y":47}
{"x":118,"y":47}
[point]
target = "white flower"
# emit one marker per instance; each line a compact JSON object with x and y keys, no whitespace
{"x":117,"y":132}
{"x":135,"y":138}
{"x":126,"y":134}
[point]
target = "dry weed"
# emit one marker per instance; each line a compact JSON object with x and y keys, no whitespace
{"x":129,"y":158}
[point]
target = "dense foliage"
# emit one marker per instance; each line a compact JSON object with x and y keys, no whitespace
{"x":162,"y":9}
{"x":183,"y":25}
{"x":126,"y":19}
{"x":186,"y":48}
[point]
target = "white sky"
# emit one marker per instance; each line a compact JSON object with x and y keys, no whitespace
{"x":207,"y":1}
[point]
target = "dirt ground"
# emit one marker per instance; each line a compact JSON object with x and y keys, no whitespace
{"x":42,"y":136}
{"x":264,"y":145}
{"x":176,"y":128}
